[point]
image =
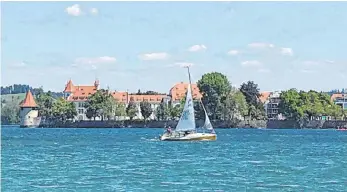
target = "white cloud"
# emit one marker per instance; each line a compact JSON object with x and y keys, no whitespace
{"x":95,"y":60}
{"x":74,"y":10}
{"x":184,"y":64}
{"x":287,"y":51}
{"x":19,"y":64}
{"x":233,"y":52}
{"x":329,"y":61}
{"x":258,"y":45}
{"x":196,"y":48}
{"x":94,"y":11}
{"x":154,"y":56}
{"x":311,"y":63}
{"x":264,"y":70}
{"x":306,"y":71}
{"x":251,"y":63}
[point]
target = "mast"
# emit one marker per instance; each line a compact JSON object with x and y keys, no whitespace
{"x":190,"y":79}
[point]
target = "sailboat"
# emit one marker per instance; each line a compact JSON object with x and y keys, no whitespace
{"x":186,"y":126}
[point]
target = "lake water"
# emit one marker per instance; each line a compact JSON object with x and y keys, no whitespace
{"x":133,"y":160}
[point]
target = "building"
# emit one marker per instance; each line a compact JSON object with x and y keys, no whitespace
{"x":340,"y":99}
{"x":179,"y":90}
{"x":78,"y":94}
{"x":29,"y":112}
{"x":271,"y":101}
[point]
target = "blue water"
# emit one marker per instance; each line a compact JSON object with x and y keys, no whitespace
{"x":132,"y":160}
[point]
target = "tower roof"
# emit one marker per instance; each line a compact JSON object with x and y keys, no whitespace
{"x":69,"y":87}
{"x":29,"y":100}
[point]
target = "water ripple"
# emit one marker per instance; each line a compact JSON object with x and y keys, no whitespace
{"x":134,"y":160}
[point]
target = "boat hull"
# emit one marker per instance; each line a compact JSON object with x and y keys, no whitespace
{"x":189,"y":137}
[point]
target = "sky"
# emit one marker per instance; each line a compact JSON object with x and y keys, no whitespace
{"x":143,"y":45}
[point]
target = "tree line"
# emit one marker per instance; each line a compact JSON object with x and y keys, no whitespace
{"x":221,"y":99}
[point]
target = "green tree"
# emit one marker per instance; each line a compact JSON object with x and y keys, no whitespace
{"x":96,"y":104}
{"x":45,"y":104}
{"x":162,"y":111}
{"x":10,"y":112}
{"x":303,"y":106}
{"x":214,"y":88}
{"x":235,"y":105}
{"x":109,"y":106}
{"x":131,"y":109}
{"x":251,"y":92}
{"x":63,"y":110}
{"x":175,"y":111}
{"x":120,"y":110}
{"x":146,"y":109}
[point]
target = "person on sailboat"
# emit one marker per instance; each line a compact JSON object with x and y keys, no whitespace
{"x":169,"y":129}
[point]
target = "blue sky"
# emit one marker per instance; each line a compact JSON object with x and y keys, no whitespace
{"x":142,"y":45}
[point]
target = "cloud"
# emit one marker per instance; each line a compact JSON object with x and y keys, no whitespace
{"x":311,"y":63}
{"x":306,"y":71}
{"x":196,"y":48}
{"x":258,"y":45}
{"x":74,"y":10}
{"x":94,"y":11}
{"x":154,"y":56}
{"x":264,"y":70}
{"x":184,"y":64}
{"x":95,"y":60}
{"x":19,"y":64}
{"x":287,"y":51}
{"x":233,"y":52}
{"x":251,"y":63}
{"x":329,"y":61}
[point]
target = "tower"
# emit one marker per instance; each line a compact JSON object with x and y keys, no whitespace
{"x":69,"y":89}
{"x":29,"y":112}
{"x":96,"y":84}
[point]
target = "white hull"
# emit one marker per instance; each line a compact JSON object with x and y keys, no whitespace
{"x":190,"y":137}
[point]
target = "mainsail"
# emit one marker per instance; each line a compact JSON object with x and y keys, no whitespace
{"x":187,"y":120}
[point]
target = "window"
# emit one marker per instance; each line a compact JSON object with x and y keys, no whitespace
{"x":80,"y":111}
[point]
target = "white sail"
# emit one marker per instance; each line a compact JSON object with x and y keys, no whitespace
{"x":207,"y":124}
{"x":187,"y":120}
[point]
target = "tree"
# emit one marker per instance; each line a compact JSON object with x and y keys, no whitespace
{"x":307,"y":105}
{"x":108,"y":107}
{"x":63,"y":110}
{"x":45,"y":103}
{"x":162,"y":111}
{"x":146,"y":109}
{"x":251,"y":92}
{"x":175,"y":111}
{"x":10,"y":112}
{"x":235,"y":105}
{"x":214,"y":88}
{"x":120,"y":110}
{"x":95,"y":104}
{"x":132,"y":109}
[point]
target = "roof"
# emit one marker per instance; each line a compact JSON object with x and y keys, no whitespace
{"x":178,"y":91}
{"x":80,"y":92}
{"x":264,"y":96}
{"x":120,"y":96}
{"x":335,"y":96}
{"x":69,"y":87}
{"x":29,"y":100}
{"x":149,"y":98}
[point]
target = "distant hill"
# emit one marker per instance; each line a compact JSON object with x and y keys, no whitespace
{"x":13,"y":97}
